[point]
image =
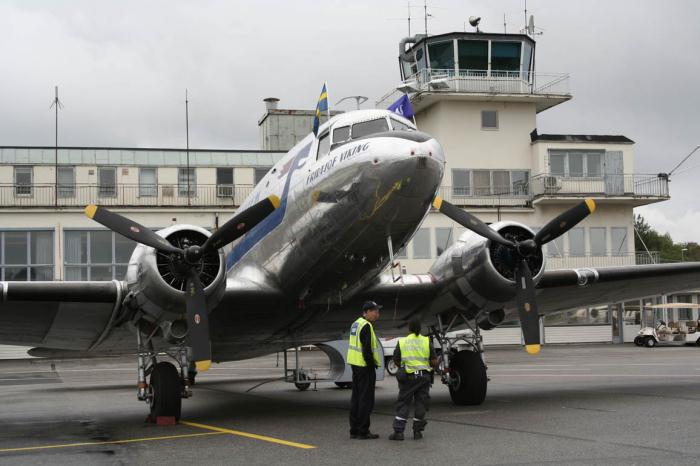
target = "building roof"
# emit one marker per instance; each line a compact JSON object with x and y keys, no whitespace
{"x":603,"y":138}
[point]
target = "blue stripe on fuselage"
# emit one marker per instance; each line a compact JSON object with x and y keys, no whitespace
{"x":271,"y":221}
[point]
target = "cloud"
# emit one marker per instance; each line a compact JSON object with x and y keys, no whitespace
{"x":683,"y":228}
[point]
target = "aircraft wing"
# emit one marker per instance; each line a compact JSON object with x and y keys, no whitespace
{"x":560,"y":290}
{"x":66,"y":315}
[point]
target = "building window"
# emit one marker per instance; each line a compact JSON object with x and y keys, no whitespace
{"x":555,"y":248}
{"x":684,"y":313}
{"x":107,"y":181}
{"x":260,"y":174}
{"x":27,"y":255}
{"x":421,"y":244}
{"x":598,"y":241}
{"x":505,"y":58}
{"x":473,"y":56}
{"x":224,"y":182}
{"x":148,"y":182}
{"x":23,"y":181}
{"x":401,"y":254}
{"x":482,"y":182}
{"x":577,"y":243}
{"x":96,"y":255}
{"x":443,"y":239}
{"x":489,"y":119}
{"x":442,"y":55}
{"x":460,"y":182}
{"x":186,"y":182}
{"x":520,"y":180}
{"x":65,"y":178}
{"x":576,"y":164}
{"x":618,"y":239}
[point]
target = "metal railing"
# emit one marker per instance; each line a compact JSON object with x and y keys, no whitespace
{"x":609,"y":259}
{"x":488,"y":197}
{"x":624,"y":185}
{"x":483,"y":81}
{"x":131,"y":195}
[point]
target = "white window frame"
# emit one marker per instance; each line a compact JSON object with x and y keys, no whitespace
{"x":148,"y":190}
{"x":66,"y":191}
{"x":428,"y":249}
{"x":489,"y":128}
{"x":102,"y":190}
{"x":182,"y":173}
{"x":567,"y":169}
{"x":24,"y":189}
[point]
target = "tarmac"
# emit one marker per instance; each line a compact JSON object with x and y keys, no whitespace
{"x":572,"y":404}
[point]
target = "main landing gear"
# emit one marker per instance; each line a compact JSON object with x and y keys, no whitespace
{"x":462,"y":362}
{"x":168,"y":384}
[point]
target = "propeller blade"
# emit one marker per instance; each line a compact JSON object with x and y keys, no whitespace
{"x":241,"y":223}
{"x":469,"y":221}
{"x":564,"y":222}
{"x":129,"y":228}
{"x":198,"y":322}
{"x":527,"y":307}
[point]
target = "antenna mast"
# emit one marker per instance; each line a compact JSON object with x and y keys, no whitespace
{"x":56,"y":103}
{"x":505,"y":31}
{"x":409,"y":18}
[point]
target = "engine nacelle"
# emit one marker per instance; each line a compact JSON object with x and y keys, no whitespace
{"x":157,"y":285}
{"x":482,"y":273}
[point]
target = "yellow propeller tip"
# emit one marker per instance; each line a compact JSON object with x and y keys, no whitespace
{"x":275,"y":201}
{"x":437,"y":203}
{"x":591,"y":205}
{"x":532,"y":349}
{"x":90,"y":210}
{"x":203,"y":366}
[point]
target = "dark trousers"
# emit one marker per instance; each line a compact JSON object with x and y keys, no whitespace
{"x":412,"y":389}
{"x":362,"y":400}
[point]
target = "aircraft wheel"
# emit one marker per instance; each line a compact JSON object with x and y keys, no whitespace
{"x":469,"y":378}
{"x":300,"y":381}
{"x":638,"y":341}
{"x":649,"y":342}
{"x":343,"y":384}
{"x":166,"y":399}
{"x":391,"y":366}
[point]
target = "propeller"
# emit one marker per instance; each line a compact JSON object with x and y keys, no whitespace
{"x":524,"y":249}
{"x":189,"y":257}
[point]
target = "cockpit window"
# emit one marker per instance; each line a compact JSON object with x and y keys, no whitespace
{"x":369,"y":127}
{"x":324,"y":146}
{"x":400,"y":126}
{"x":341,"y":134}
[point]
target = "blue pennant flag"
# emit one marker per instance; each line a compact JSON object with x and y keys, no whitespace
{"x":321,"y":106}
{"x":402,"y":107}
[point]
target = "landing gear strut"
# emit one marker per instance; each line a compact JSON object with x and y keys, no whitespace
{"x":463,"y":369}
{"x":167,"y":385}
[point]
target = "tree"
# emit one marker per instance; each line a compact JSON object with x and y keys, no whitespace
{"x":668,"y":250}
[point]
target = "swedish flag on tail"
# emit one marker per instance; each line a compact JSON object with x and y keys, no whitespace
{"x":321,"y":106}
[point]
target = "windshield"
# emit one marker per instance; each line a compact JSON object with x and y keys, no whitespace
{"x":369,"y":127}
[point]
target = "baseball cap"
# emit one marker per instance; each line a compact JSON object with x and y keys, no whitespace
{"x":367,"y":305}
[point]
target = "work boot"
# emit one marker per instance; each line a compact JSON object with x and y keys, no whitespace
{"x":417,"y":435}
{"x":396,"y":436}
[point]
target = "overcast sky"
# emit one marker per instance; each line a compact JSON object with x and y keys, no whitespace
{"x":122,"y":68}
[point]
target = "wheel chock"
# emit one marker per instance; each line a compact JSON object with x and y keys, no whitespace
{"x":161,"y":420}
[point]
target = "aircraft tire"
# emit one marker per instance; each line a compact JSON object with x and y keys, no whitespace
{"x":302,"y":385}
{"x":638,"y":341}
{"x":468,"y":369}
{"x":391,"y":366}
{"x":649,"y":342}
{"x":166,"y":389}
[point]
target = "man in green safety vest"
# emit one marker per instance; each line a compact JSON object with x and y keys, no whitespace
{"x":415,"y":356}
{"x":363,"y":357}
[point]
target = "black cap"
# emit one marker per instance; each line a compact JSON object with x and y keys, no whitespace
{"x":368,"y":305}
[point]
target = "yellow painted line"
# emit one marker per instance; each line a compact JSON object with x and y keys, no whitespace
{"x":108,"y":442}
{"x":249,"y":435}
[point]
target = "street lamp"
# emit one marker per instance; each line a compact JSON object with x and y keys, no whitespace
{"x":359,"y":99}
{"x":682,"y":251}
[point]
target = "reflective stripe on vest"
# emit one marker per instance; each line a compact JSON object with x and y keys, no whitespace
{"x":415,"y":353}
{"x":355,"y":357}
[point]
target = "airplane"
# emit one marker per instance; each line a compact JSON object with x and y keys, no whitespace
{"x":293,"y":265}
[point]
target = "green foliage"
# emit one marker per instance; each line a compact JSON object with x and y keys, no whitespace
{"x":670,"y":251}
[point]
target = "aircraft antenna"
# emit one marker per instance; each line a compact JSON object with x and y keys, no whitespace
{"x":683,"y":161}
{"x":187,"y":139}
{"x":426,"y":15}
{"x":505,"y":30}
{"x":409,"y":18}
{"x":56,"y":104}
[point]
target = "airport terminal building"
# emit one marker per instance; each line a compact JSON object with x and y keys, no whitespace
{"x":478,"y":94}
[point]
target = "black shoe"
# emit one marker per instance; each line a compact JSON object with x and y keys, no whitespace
{"x":417,"y":435}
{"x":368,"y":436}
{"x":396,"y":436}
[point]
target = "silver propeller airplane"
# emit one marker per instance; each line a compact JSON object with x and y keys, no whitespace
{"x":292,"y":265}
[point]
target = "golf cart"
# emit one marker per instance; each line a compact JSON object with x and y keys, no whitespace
{"x":672,"y":334}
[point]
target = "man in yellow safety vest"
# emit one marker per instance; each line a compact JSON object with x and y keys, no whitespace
{"x":363,"y":357}
{"x":416,"y":357}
